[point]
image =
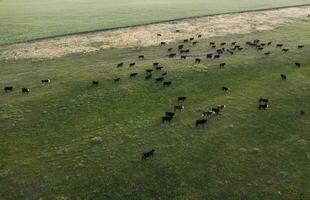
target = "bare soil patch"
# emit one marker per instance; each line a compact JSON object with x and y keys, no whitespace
{"x":147,"y":35}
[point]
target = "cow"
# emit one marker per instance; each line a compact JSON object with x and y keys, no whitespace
{"x":181,"y":99}
{"x":259,"y":48}
{"x":120,"y":64}
{"x":213,"y":46}
{"x":233,"y":43}
{"x":216,"y":110}
{"x":170,"y":114}
{"x":178,"y":108}
{"x":170,"y":49}
{"x":201,"y":122}
{"x":158,"y":34}
{"x":172,"y":55}
{"x":116,"y":80}
{"x":283,"y":77}
{"x":166,"y":119}
{"x":285,"y":50}
{"x":197,"y":60}
{"x":148,"y":77}
{"x":222,"y":65}
{"x":177,"y":31}
{"x":240,"y":48}
{"x":208,"y":113}
{"x":219,"y":51}
{"x":164,"y":74}
{"x":217,"y":56}
{"x":263,"y":100}
{"x":256,"y":41}
{"x":186,"y":40}
{"x":167,"y":83}
{"x":132,"y":64}
{"x":279,"y":45}
{"x":191,"y":39}
{"x":302,"y":112}
{"x":267,"y":53}
{"x":223,"y":43}
{"x":148,"y":71}
{"x":25,"y":90}
{"x":263,"y":44}
{"x":209,"y":55}
{"x":181,"y":46}
{"x":8,"y":89}
{"x":226,"y":89}
{"x":199,"y":36}
{"x":160,"y":79}
{"x":300,"y":46}
{"x":194,"y":43}
{"x":148,"y":154}
{"x":133,"y":75}
{"x":155,"y":64}
{"x":212,"y":43}
{"x":162,"y":43}
{"x":95,"y":83}
{"x":158,"y":68}
{"x":46,"y":81}
{"x":184,"y":51}
{"x":297,"y":64}
{"x":141,"y":57}
{"x":183,"y":57}
{"x":263,"y":106}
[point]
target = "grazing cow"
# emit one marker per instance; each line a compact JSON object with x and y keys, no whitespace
{"x":164,"y":74}
{"x":158,"y":68}
{"x":285,"y":50}
{"x":263,"y":101}
{"x":8,"y":89}
{"x":183,"y":57}
{"x":194,"y":43}
{"x":267,"y":53}
{"x":240,"y":48}
{"x":170,"y":114}
{"x":116,"y":80}
{"x":184,"y":51}
{"x":199,"y":36}
{"x":177,"y":31}
{"x":216,"y":110}
{"x":120,"y":64}
{"x":263,"y":44}
{"x":219,"y":51}
{"x":233,"y":43}
{"x":46,"y":81}
{"x":300,"y":46}
{"x":170,"y":49}
{"x":222,"y":65}
{"x":148,"y":77}
{"x":256,"y":41}
{"x":297,"y":64}
{"x":197,"y":60}
{"x":208,"y":113}
{"x":209,"y":55}
{"x":181,"y":99}
{"x":191,"y":39}
{"x":162,"y":43}
{"x":158,"y":34}
{"x":132,"y":64}
{"x":269,"y":43}
{"x":217,"y":56}
{"x":166,"y":119}
{"x":155,"y":64}
{"x":259,"y":48}
{"x":172,"y":55}
{"x":148,"y":71}
{"x":181,"y":46}
{"x":263,"y":106}
{"x":212,"y":43}
{"x":223,"y":43}
{"x":167,"y":83}
{"x":302,"y":112}
{"x":201,"y":122}
{"x":95,"y":83}
{"x":186,"y":40}
{"x":178,"y":108}
{"x":148,"y":154}
{"x":160,"y":79}
{"x":279,"y":45}
{"x":283,"y":77}
{"x":133,"y":75}
{"x":141,"y":57}
{"x":226,"y":89}
{"x":213,"y":46}
{"x":25,"y":90}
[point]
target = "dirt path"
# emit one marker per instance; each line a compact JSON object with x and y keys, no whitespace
{"x":147,"y":35}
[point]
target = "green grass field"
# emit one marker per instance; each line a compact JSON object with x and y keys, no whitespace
{"x":45,"y":141}
{"x":31,"y":19}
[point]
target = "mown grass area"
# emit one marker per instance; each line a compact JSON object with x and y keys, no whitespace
{"x":31,"y":19}
{"x":46,"y":150}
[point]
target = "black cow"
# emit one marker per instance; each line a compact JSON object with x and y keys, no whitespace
{"x":302,"y":112}
{"x":226,"y":89}
{"x":183,"y":57}
{"x":116,"y":80}
{"x":191,"y":39}
{"x":300,"y":46}
{"x":233,"y":43}
{"x":279,"y":45}
{"x":155,"y":64}
{"x":212,"y":43}
{"x":217,"y":56}
{"x":201,"y":122}
{"x":166,"y":119}
{"x":162,"y":43}
{"x":223,"y":43}
{"x":181,"y":99}
{"x":132,"y":75}
{"x":120,"y":64}
{"x":148,"y":77}
{"x":194,"y":43}
{"x":263,"y":100}
{"x":213,"y":46}
{"x":95,"y":83}
{"x":199,"y":36}
{"x":172,"y":55}
{"x":285,"y":50}
{"x":141,"y":57}
{"x":177,"y":31}
{"x":132,"y":64}
{"x":267,"y":53}
{"x":170,"y":114}
{"x":197,"y":60}
{"x":158,"y":34}
{"x":148,"y":71}
{"x":178,"y":108}
{"x":25,"y":90}
{"x":167,"y":83}
{"x":222,"y":65}
{"x":181,"y":46}
{"x":170,"y":49}
{"x":283,"y":77}
{"x":148,"y":154}
{"x":186,"y":40}
{"x":8,"y":89}
{"x":269,"y":43}
{"x":158,"y":68}
{"x":297,"y":64}
{"x":160,"y":79}
{"x":164,"y":74}
{"x":47,"y":81}
{"x":262,"y":106}
{"x":184,"y":51}
{"x":209,"y":55}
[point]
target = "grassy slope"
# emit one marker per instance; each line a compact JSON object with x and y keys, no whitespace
{"x":45,"y":136}
{"x":24,"y":20}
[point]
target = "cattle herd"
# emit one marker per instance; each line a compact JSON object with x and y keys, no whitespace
{"x":159,"y":74}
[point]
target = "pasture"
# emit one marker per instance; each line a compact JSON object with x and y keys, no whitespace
{"x":70,"y":139}
{"x":31,"y":19}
